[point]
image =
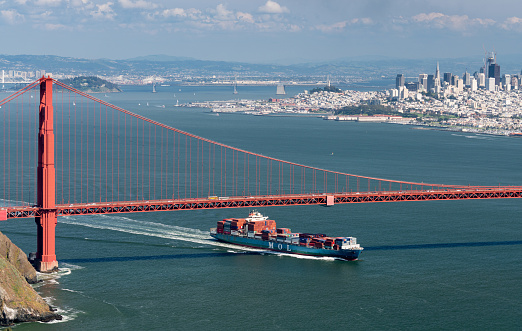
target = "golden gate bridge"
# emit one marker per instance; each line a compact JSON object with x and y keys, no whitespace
{"x":65,"y":152}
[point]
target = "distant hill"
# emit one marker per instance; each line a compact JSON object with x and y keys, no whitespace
{"x":161,"y":58}
{"x":351,"y":70}
{"x":91,"y":84}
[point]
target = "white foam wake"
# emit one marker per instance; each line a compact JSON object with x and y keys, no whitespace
{"x":128,"y":225}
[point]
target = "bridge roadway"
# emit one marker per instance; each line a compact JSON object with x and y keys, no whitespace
{"x":471,"y":192}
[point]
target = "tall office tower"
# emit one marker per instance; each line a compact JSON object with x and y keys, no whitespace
{"x":423,"y":81}
{"x":447,"y":77}
{"x":436,"y":86}
{"x":492,"y":68}
{"x":459,"y":84}
{"x":490,"y":84}
{"x":506,"y":82}
{"x":494,"y":72}
{"x":514,"y":82}
{"x":473,"y":84}
{"x":454,"y":79}
{"x":481,"y":78}
{"x":431,"y":83}
{"x":399,"y":81}
{"x":466,"y":78}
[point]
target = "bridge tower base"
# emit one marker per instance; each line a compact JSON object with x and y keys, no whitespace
{"x":46,"y":184}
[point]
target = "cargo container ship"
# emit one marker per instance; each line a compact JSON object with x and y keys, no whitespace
{"x":258,"y":231}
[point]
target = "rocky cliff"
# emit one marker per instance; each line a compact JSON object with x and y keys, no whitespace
{"x":17,"y":258}
{"x":19,"y":302}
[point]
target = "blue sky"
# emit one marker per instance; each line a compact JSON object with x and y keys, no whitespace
{"x":260,"y":30}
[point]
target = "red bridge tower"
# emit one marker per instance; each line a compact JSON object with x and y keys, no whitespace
{"x":46,"y":194}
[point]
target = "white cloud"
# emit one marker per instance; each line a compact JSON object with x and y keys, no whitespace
{"x":52,"y":27}
{"x":104,"y":11}
{"x":222,"y":13}
{"x":512,"y":23}
{"x":44,"y":3}
{"x":423,"y":17}
{"x":340,"y":26}
{"x":11,"y":16}
{"x":245,"y":17}
{"x":294,"y":28}
{"x":81,"y":3}
{"x":173,"y":12}
{"x":141,"y":4}
{"x":272,"y":7}
{"x":452,"y":22}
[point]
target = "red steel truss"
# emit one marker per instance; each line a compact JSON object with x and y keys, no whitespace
{"x":267,"y":201}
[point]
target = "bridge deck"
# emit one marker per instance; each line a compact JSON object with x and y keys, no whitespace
{"x":265,"y":201}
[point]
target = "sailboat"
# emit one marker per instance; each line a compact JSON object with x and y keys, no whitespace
{"x":153,"y":88}
{"x":235,"y":86}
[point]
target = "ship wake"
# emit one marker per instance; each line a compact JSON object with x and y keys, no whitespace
{"x":151,"y":229}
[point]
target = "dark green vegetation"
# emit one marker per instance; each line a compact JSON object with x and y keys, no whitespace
{"x":91,"y":84}
{"x":371,"y":110}
{"x":326,"y":89}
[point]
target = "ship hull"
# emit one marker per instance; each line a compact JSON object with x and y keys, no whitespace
{"x":283,"y":247}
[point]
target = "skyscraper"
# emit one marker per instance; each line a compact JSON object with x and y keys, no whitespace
{"x":494,"y":72}
{"x":481,"y":79}
{"x":447,"y":77}
{"x":399,"y":81}
{"x":492,"y":68}
{"x":431,"y":83}
{"x":436,"y":82}
{"x":466,"y":78}
{"x":514,"y":82}
{"x":423,"y":81}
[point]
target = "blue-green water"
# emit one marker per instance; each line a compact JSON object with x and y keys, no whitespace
{"x":427,"y":265}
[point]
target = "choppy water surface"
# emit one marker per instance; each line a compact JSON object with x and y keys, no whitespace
{"x":427,"y":265}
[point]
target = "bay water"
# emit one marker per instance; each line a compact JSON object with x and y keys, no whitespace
{"x":426,"y":265}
